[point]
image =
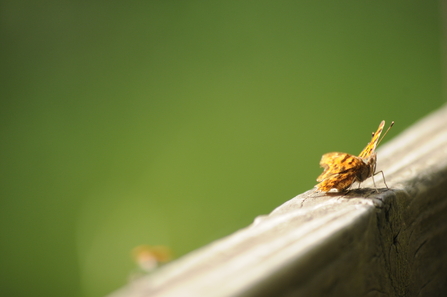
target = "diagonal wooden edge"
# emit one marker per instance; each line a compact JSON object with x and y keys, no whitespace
{"x":327,"y":244}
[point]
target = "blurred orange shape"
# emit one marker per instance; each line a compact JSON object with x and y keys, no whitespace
{"x":148,"y":257}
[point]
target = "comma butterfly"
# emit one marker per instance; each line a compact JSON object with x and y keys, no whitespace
{"x":341,"y":170}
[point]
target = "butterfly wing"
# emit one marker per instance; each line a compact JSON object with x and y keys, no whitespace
{"x":340,"y":170}
{"x":335,"y":163}
{"x":340,"y":181}
{"x":370,"y":148}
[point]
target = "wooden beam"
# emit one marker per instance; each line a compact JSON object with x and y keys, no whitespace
{"x":391,"y":243}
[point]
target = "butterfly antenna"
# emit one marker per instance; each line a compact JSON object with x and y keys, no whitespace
{"x":383,"y":136}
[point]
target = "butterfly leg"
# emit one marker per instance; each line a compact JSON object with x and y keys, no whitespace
{"x":383,"y":176}
{"x":374,"y":182}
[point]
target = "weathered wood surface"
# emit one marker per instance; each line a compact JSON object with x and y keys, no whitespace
{"x":391,"y":243}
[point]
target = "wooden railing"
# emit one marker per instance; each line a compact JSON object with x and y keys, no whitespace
{"x":391,"y":243}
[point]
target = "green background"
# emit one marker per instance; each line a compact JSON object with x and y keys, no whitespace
{"x":178,"y":122}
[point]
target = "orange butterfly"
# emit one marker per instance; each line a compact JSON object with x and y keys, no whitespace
{"x":341,"y":170}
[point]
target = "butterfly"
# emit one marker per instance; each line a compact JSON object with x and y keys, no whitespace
{"x":341,"y":170}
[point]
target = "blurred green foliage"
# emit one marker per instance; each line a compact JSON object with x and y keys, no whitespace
{"x":178,"y":122}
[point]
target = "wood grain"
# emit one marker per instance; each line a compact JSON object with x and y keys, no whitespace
{"x":391,"y":243}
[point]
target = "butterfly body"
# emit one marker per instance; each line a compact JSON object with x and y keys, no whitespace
{"x":341,"y":170}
